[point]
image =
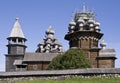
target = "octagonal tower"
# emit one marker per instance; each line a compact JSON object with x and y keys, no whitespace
{"x":84,"y":33}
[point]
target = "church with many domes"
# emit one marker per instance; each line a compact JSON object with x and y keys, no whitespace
{"x":83,"y":33}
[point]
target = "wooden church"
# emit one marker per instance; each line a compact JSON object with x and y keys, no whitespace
{"x":83,"y":33}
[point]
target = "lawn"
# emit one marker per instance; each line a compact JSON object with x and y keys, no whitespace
{"x":76,"y":80}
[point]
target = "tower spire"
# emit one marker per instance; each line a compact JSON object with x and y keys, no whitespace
{"x":17,"y":30}
{"x":84,"y":7}
{"x":17,"y":18}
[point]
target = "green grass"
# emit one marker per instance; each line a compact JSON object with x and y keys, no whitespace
{"x":76,"y":80}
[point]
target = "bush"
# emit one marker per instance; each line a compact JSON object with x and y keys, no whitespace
{"x":71,"y":59}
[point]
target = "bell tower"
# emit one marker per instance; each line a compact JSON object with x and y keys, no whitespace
{"x":16,"y":46}
{"x":84,"y":33}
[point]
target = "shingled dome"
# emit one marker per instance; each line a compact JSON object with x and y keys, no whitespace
{"x":49,"y":44}
{"x":50,"y":30}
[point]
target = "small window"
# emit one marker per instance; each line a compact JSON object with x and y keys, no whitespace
{"x":35,"y":67}
{"x":20,"y":40}
{"x":14,"y":40}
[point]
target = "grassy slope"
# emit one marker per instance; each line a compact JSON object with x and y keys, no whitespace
{"x":77,"y":80}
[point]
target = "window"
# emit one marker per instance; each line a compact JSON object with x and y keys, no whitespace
{"x":35,"y":67}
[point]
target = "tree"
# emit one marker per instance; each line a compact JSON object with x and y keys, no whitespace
{"x":71,"y":59}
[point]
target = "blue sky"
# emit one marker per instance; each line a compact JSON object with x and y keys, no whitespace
{"x":35,"y":16}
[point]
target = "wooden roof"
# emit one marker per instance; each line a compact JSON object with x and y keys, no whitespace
{"x":31,"y":57}
{"x":107,"y":53}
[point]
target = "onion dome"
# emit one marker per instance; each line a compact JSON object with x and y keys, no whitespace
{"x":97,"y":27}
{"x":81,"y":24}
{"x":85,"y":18}
{"x":47,"y":48}
{"x":48,"y":41}
{"x":103,"y":44}
{"x":50,"y":36}
{"x":71,"y":28}
{"x":57,"y":43}
{"x":42,"y":43}
{"x":80,"y":21}
{"x":91,"y":21}
{"x":72,"y":23}
{"x":50,"y":30}
{"x":91,"y":25}
{"x":97,"y":23}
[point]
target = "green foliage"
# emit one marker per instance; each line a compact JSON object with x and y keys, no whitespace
{"x":74,"y":80}
{"x":72,"y":59}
